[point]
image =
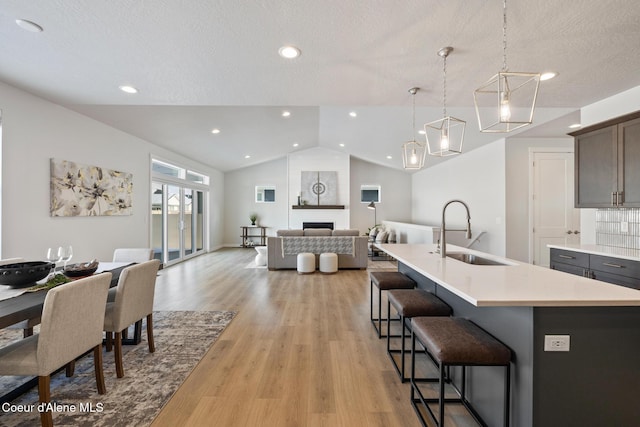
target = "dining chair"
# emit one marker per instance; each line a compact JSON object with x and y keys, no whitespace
{"x":133,"y":302}
{"x":72,"y":323}
{"x":26,"y":325}
{"x":132,"y":254}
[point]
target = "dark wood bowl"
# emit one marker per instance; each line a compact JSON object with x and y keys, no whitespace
{"x":76,"y":270}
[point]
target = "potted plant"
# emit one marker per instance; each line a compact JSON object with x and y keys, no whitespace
{"x":253,"y":218}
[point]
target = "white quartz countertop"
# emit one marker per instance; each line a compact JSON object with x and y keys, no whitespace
{"x":623,"y":253}
{"x":516,"y":284}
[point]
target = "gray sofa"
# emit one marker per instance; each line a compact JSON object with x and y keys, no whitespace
{"x":283,"y":249}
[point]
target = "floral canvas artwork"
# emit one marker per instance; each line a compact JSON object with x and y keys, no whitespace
{"x":84,"y":190}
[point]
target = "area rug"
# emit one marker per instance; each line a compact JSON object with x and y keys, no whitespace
{"x":181,"y":338}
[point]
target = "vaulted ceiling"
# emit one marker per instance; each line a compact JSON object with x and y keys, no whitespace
{"x":200,"y":65}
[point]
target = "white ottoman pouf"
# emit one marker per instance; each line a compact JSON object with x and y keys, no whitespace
{"x":306,"y":263}
{"x":261,"y":258}
{"x":328,"y":263}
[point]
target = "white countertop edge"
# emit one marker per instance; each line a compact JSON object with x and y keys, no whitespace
{"x":591,"y":293}
{"x":610,"y":251}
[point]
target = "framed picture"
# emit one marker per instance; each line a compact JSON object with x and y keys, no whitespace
{"x":84,"y":190}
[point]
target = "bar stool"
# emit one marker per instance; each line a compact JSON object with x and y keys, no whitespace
{"x":453,"y":341}
{"x":385,"y":280}
{"x":410,"y":303}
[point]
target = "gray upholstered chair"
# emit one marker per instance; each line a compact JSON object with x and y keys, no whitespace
{"x":132,"y":255}
{"x":71,"y":325}
{"x":133,"y":301}
{"x":25,"y":325}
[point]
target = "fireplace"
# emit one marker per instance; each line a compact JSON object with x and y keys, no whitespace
{"x":328,"y":225}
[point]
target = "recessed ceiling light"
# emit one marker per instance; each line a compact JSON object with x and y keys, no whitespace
{"x":289,"y":52}
{"x":341,"y":145}
{"x":422,"y":132}
{"x":247,"y":156}
{"x":389,"y":157}
{"x":128,"y":89}
{"x":215,"y":131}
{"x":29,"y":26}
{"x":353,"y":114}
{"x":286,"y":113}
{"x":548,"y":75}
{"x":295,"y":144}
{"x":575,"y":126}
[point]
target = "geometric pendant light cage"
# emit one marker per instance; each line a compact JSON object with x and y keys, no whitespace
{"x":445,"y":136}
{"x":507,"y":101}
{"x":413,"y":152}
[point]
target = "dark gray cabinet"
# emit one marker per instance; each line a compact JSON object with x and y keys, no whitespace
{"x":618,"y":271}
{"x":607,"y":164}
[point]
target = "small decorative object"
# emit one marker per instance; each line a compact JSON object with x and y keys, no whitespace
{"x":81,"y":269}
{"x":298,"y":200}
{"x":253,"y":218}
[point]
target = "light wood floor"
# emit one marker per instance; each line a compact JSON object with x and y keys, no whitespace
{"x":301,"y":351}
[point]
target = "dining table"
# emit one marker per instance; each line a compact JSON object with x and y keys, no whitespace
{"x":28,"y":305}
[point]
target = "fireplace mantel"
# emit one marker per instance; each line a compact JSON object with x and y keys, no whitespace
{"x":317,"y":207}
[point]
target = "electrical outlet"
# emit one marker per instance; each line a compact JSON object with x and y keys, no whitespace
{"x":624,"y":227}
{"x":557,"y":342}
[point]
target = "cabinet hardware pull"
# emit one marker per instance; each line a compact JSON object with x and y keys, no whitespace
{"x":620,"y":198}
{"x":566,"y":256}
{"x":613,"y":198}
{"x":612,"y":265}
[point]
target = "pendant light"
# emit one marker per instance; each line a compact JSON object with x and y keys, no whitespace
{"x":513,"y":93}
{"x":413,"y":152}
{"x":445,"y":136}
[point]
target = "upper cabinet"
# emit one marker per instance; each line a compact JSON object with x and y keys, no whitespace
{"x":607,"y":164}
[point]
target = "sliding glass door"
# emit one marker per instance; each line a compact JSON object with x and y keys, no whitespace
{"x":178,"y":212}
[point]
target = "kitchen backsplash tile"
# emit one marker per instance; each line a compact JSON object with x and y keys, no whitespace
{"x":609,"y":228}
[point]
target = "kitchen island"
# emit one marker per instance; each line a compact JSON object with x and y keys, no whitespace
{"x":594,"y":383}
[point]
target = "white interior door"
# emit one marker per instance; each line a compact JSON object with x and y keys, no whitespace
{"x":555,"y":220}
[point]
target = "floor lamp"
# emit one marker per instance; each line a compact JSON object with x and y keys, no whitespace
{"x":372,"y":205}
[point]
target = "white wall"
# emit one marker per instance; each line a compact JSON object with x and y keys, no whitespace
{"x":239,"y":200}
{"x":478,"y":178}
{"x":395,"y":194}
{"x":517,"y":190}
{"x":605,"y":109}
{"x":35,"y":130}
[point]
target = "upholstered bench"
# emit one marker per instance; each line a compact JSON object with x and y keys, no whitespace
{"x":452,"y":341}
{"x":385,"y":280}
{"x":409,"y":303}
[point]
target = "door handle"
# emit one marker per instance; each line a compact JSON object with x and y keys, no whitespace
{"x":569,"y":232}
{"x":576,"y":231}
{"x":613,"y":198}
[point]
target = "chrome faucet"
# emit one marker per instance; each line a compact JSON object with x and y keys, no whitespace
{"x":443,"y":230}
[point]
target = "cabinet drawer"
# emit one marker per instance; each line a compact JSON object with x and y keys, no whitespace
{"x":616,"y":279}
{"x":622,"y":267}
{"x":579,"y":259}
{"x":568,"y":268}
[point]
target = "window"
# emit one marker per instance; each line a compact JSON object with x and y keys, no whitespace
{"x":369,"y":193}
{"x":265,"y":194}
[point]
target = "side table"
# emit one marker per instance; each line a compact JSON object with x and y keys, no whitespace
{"x":249,"y":232}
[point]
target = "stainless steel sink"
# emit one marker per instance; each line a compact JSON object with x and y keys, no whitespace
{"x":474,"y":259}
